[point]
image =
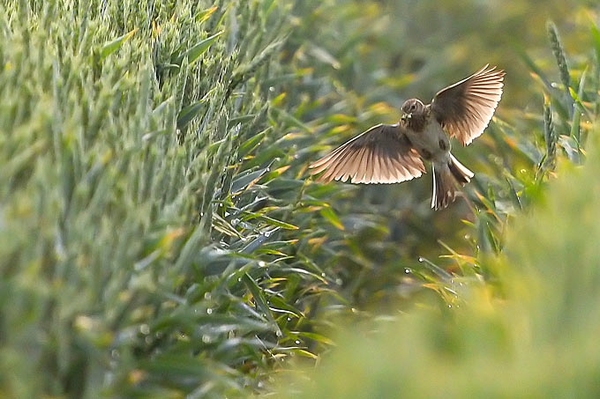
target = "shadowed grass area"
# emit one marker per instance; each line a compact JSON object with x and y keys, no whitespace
{"x":537,"y":340}
{"x":158,"y":234}
{"x":519,"y":318}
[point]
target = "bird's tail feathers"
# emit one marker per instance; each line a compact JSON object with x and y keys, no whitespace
{"x":445,"y":182}
{"x":460,"y":172}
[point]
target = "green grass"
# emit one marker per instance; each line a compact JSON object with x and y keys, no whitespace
{"x":159,"y":237}
{"x":134,"y":236}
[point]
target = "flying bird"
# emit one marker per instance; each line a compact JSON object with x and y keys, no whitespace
{"x":395,"y":153}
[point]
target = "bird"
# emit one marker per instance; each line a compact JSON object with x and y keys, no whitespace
{"x":395,"y":153}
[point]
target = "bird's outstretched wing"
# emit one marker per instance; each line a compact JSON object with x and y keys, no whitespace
{"x":465,"y":108}
{"x":382,"y":154}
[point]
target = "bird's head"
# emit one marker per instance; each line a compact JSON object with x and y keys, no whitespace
{"x":410,"y":107}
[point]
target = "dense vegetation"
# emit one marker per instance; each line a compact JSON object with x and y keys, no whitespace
{"x":159,"y":236}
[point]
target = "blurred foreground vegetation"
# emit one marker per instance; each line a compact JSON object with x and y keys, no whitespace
{"x":158,"y":235}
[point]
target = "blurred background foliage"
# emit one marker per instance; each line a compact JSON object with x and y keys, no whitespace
{"x":539,"y":339}
{"x":362,"y":64}
{"x":159,"y":237}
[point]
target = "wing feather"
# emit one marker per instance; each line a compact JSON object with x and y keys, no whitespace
{"x":465,"y":108}
{"x":382,"y":154}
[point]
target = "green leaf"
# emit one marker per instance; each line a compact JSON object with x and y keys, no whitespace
{"x":258,"y":241}
{"x":317,"y":338}
{"x":281,"y":306}
{"x":242,"y":182}
{"x":278,"y":223}
{"x":260,"y":300}
{"x":187,"y":114}
{"x":114,"y":45}
{"x":252,"y":142}
{"x":596,"y":39}
{"x":269,"y":220}
{"x":194,"y":52}
{"x":332,"y":217}
{"x":204,"y":15}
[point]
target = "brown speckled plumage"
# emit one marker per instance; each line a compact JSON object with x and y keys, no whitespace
{"x":394,"y":153}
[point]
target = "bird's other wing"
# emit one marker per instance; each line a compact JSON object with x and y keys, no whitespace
{"x":465,"y":108}
{"x":382,"y":154}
